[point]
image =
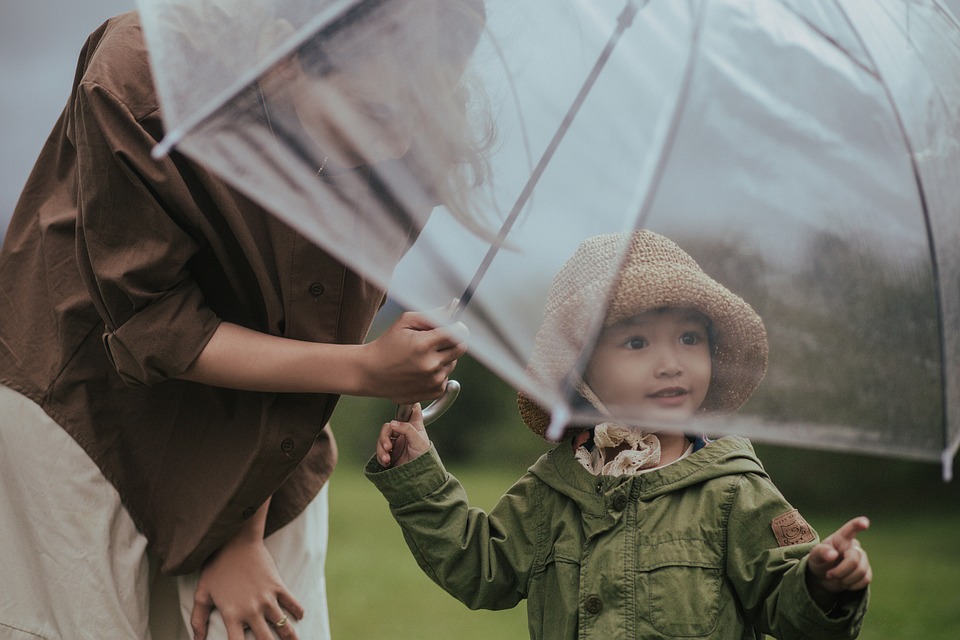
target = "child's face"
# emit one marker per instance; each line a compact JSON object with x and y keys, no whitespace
{"x":653,"y":366}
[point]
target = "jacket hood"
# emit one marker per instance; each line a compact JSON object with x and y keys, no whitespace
{"x":561,"y":471}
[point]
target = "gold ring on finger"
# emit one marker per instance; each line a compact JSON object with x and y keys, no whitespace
{"x":281,"y":622}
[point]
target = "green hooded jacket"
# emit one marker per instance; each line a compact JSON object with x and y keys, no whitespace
{"x":687,"y":551}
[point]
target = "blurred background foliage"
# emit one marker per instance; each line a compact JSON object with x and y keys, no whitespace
{"x":853,"y":340}
{"x":483,"y":430}
{"x":853,"y":333}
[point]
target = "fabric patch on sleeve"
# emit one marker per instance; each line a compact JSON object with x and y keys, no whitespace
{"x":791,"y":528}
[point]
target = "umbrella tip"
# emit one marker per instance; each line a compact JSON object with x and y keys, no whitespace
{"x":559,"y":419}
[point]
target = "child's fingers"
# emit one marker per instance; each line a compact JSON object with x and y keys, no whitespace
{"x":845,"y":536}
{"x":385,"y":443}
{"x":416,"y":418}
{"x":865,"y":574}
{"x":396,"y":436}
{"x":853,"y":571}
{"x":848,"y":550}
{"x":822,"y":557}
{"x":393,"y":439}
{"x":839,"y":563}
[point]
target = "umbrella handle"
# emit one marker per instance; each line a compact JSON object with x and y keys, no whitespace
{"x":436,"y":408}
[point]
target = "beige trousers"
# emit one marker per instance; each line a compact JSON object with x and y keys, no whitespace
{"x":73,"y":565}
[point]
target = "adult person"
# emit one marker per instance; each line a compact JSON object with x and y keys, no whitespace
{"x":171,"y":354}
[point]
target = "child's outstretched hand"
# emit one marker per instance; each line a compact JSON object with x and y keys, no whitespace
{"x":839,"y":563}
{"x":401,"y":442}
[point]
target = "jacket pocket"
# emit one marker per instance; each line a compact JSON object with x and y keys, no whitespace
{"x":678,"y":586}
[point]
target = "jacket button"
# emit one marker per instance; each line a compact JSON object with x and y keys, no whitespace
{"x":316,"y":289}
{"x":599,"y":487}
{"x":287,"y":445}
{"x":593,"y":605}
{"x":620,"y":502}
{"x":248,"y":513}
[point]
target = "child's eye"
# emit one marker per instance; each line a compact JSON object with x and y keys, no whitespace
{"x":635,"y":342}
{"x":691,"y":338}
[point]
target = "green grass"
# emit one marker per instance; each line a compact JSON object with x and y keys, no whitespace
{"x":376,"y":589}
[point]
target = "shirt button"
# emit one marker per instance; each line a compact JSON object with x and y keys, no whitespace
{"x":316,"y":289}
{"x":593,"y":605}
{"x":287,"y":445}
{"x":620,"y":502}
{"x":248,"y":513}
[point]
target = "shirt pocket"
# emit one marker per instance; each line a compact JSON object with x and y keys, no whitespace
{"x":678,"y":586}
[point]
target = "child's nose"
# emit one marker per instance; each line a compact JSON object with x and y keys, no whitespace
{"x":668,"y":363}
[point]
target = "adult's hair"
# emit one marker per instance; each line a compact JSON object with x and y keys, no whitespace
{"x":429,"y":43}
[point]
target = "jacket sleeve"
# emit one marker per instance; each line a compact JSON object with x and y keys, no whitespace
{"x":483,"y":560}
{"x":770,"y":580}
{"x":131,"y":252}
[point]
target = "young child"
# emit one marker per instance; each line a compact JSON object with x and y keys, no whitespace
{"x":621,"y":533}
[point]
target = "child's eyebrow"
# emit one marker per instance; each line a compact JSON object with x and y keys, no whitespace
{"x":696,"y":317}
{"x":631,"y":321}
{"x":688,"y":315}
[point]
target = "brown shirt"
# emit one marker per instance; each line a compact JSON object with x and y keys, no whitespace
{"x":115,"y":272}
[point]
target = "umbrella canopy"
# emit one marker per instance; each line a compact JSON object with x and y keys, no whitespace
{"x":804,"y":152}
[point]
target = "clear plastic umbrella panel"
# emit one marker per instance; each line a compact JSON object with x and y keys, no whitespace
{"x":804,"y":152}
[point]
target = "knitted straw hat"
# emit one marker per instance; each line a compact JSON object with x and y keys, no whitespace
{"x":628,"y":274}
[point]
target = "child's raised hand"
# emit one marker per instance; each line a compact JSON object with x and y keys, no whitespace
{"x":839,"y":563}
{"x":401,"y":442}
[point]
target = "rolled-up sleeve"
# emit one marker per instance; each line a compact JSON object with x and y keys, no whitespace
{"x":134,"y":243}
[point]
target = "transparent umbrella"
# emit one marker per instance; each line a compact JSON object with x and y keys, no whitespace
{"x":805,"y":152}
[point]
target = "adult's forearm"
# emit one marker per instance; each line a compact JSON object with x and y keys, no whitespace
{"x":241,"y":358}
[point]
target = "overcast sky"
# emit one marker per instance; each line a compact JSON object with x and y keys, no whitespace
{"x":39,"y":44}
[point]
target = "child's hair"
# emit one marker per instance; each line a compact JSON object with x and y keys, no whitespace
{"x":630,"y":274}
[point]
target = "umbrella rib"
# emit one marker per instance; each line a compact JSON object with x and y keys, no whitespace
{"x":623,"y":22}
{"x":651,"y":180}
{"x":874,"y":72}
{"x":924,"y":207}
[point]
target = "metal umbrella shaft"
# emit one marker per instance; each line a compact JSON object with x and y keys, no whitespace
{"x":624,"y":20}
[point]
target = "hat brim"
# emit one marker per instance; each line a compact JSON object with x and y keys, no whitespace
{"x":740,"y":349}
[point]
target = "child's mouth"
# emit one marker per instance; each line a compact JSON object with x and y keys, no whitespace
{"x":672,"y":392}
{"x":673,"y":396}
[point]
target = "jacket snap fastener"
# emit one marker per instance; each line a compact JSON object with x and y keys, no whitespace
{"x":620,"y":502}
{"x":316,"y":289}
{"x":593,"y":604}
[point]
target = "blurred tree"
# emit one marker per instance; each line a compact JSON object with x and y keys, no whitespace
{"x":854,"y":338}
{"x":845,"y":328}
